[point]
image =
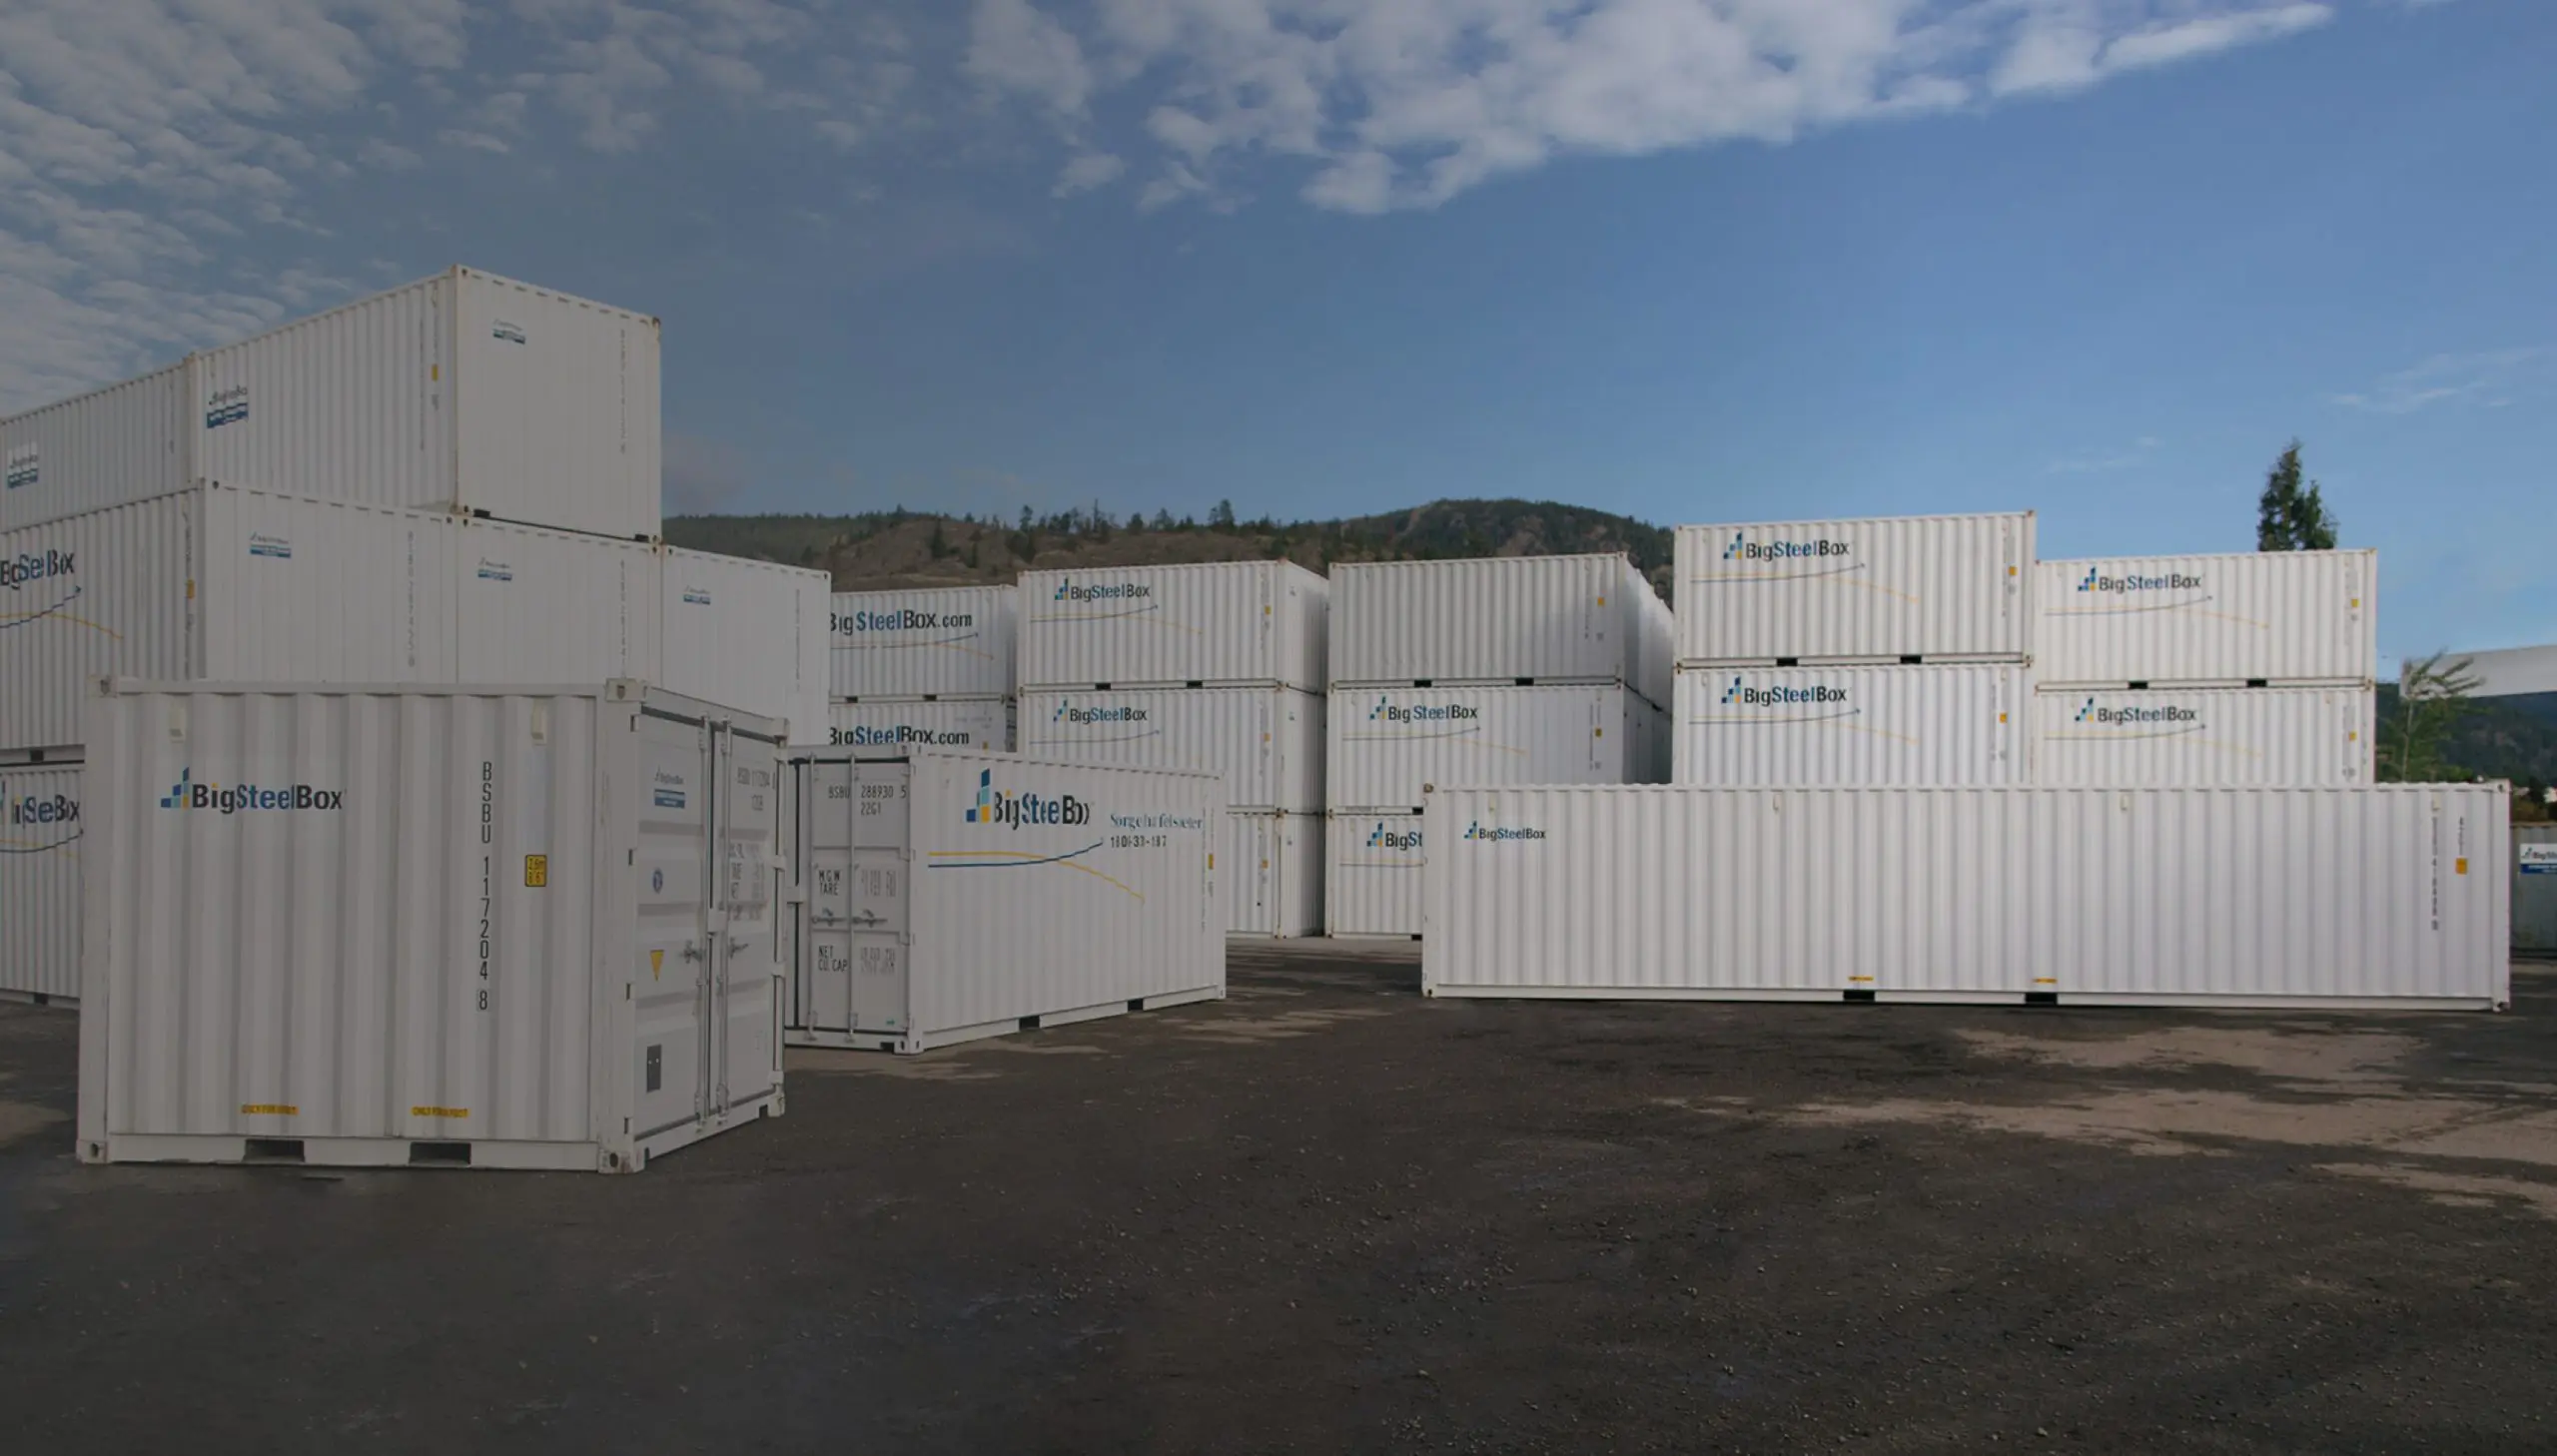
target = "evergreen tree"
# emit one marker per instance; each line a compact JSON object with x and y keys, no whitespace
{"x":2289,"y":517}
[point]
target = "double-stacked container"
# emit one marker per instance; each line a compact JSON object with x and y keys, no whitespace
{"x":455,"y":481}
{"x":2229,"y":670}
{"x":1895,"y":650}
{"x":927,"y":669}
{"x":1215,"y":667}
{"x":1504,"y":670}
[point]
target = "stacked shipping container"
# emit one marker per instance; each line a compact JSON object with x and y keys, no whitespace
{"x":1216,"y":667}
{"x":931,"y":668}
{"x":2228,"y":669}
{"x":1886,"y":651}
{"x":1511,"y":670}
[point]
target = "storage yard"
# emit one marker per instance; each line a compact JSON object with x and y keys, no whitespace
{"x":1326,"y":1214}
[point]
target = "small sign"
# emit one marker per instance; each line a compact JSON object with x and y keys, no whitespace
{"x":537,"y":871}
{"x":439,"y":1112}
{"x":2539,"y":859}
{"x":269,"y":1110}
{"x":656,"y":964}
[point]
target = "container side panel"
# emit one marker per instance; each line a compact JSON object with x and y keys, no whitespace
{"x":1878,"y":588}
{"x":950,"y":724}
{"x":40,"y":880}
{"x":952,"y":642}
{"x":1271,"y":874}
{"x":1388,"y":745}
{"x":1221,"y":624}
{"x":1491,"y":620}
{"x":2196,"y":736}
{"x":748,"y":635}
{"x":1372,"y":874}
{"x":101,"y":594}
{"x":314,"y":592}
{"x":110,"y":447}
{"x":353,"y":404}
{"x":558,"y":403}
{"x":1264,"y":742}
{"x":1954,"y":724}
{"x":539,"y":607}
{"x":2272,"y":617}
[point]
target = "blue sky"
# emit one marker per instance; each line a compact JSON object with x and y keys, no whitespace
{"x":1693,"y":259}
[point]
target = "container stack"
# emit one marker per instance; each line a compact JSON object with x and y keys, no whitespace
{"x":2226,"y":671}
{"x":925,"y":669}
{"x":1508,"y":670}
{"x":453,"y":482}
{"x":1217,"y":667}
{"x":1895,"y":650}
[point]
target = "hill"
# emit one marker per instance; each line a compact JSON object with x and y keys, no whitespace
{"x":2498,"y":738}
{"x":901,"y":550}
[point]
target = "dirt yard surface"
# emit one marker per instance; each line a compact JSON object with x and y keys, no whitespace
{"x":1328,"y":1215}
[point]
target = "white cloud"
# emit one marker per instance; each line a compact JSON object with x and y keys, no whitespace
{"x":1410,"y":104}
{"x":2485,"y":378}
{"x":1088,"y":171}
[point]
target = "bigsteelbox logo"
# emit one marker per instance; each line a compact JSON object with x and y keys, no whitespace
{"x":1066,"y":712}
{"x":1024,"y":809}
{"x":186,"y":793}
{"x":2095,"y":582}
{"x":54,"y":818}
{"x":1393,"y":839}
{"x":1741,"y":695}
{"x":901,"y":735}
{"x":1818,"y":548}
{"x":1501,"y":832}
{"x":899,"y":619}
{"x":32,"y":566}
{"x":226,"y":407}
{"x":1067,"y":590}
{"x":26,"y":465}
{"x":1387,"y":710}
{"x":2137,"y":717}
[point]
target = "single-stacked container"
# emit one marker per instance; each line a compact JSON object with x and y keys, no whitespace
{"x":930,"y":668}
{"x":2206,"y":670}
{"x":1215,"y":667}
{"x":463,"y":393}
{"x":1501,"y":670}
{"x":1891,"y":650}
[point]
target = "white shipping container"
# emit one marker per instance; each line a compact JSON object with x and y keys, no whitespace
{"x":2195,"y":736}
{"x":40,"y":884}
{"x":1222,"y":624}
{"x":980,"y":724}
{"x":219,"y":583}
{"x":1388,"y":745}
{"x":2265,"y":618}
{"x":943,"y":898}
{"x":1264,"y":742}
{"x":749,"y":633}
{"x":1584,"y":618}
{"x":456,"y":926}
{"x":545,"y":606}
{"x":1272,"y":873}
{"x":953,"y":641}
{"x":1372,"y":875}
{"x":1957,"y":723}
{"x":1880,"y":590}
{"x":461,"y":393}
{"x":2390,"y":896}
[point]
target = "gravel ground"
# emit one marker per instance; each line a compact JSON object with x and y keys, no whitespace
{"x":1327,"y":1215}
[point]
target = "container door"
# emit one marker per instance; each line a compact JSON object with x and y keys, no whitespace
{"x":675,"y":983}
{"x":875,"y":897}
{"x":743,"y":799}
{"x":825,"y":853}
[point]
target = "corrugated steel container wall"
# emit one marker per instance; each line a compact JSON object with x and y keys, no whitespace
{"x":1388,"y":744}
{"x":557,"y":409}
{"x":2535,"y":887}
{"x":1265,"y":744}
{"x":110,"y":447}
{"x":955,"y":642}
{"x":1226,"y":623}
{"x":296,"y":590}
{"x":747,"y":633}
{"x":2196,"y":736}
{"x":1587,"y":618}
{"x":949,"y":897}
{"x":1875,"y":591}
{"x":353,"y":404}
{"x":2390,"y":894}
{"x":544,"y":606}
{"x":1957,"y":723}
{"x":90,"y":595}
{"x":1371,"y":875}
{"x":40,"y":881}
{"x":947,"y":723}
{"x":429,"y":928}
{"x":1271,"y":875}
{"x":2266,"y":617}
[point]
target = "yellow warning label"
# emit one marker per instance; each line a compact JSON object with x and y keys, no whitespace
{"x":656,"y":964}
{"x":439,"y":1112}
{"x":2459,"y":867}
{"x":269,"y":1110}
{"x":536,"y":870}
